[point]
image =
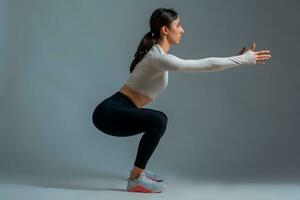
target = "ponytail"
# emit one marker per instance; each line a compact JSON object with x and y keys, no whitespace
{"x":145,"y":45}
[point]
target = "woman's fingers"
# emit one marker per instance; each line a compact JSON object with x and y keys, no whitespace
{"x":262,"y":52}
{"x":253,"y":46}
{"x":261,"y":59}
{"x":263,"y":56}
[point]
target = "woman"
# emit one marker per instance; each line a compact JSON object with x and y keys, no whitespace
{"x":122,"y":114}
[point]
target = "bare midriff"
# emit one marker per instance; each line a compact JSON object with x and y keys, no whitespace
{"x":138,"y":98}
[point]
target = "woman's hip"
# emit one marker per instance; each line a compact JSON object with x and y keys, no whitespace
{"x":117,"y":115}
{"x":113,"y":111}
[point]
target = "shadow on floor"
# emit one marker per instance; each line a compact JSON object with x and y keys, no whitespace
{"x":97,"y":181}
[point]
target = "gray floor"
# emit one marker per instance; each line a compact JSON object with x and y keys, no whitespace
{"x":111,"y":186}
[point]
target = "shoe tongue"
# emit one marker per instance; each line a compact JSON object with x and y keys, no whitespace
{"x":142,"y":174}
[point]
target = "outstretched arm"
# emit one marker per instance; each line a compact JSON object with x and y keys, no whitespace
{"x":169,"y":62}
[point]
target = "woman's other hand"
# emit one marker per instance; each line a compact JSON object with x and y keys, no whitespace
{"x":260,"y":56}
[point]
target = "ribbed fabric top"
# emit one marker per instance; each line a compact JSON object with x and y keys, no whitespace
{"x":150,"y":75}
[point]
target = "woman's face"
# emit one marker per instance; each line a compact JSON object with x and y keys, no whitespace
{"x":175,"y":31}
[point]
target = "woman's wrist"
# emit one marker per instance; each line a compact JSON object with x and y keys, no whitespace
{"x":248,"y":57}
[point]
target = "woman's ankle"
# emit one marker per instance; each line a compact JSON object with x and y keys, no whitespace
{"x":135,"y":172}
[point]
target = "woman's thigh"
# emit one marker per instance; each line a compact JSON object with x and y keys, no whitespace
{"x":126,"y":121}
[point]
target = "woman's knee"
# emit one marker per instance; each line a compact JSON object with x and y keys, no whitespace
{"x":164,"y":115}
{"x":159,"y":123}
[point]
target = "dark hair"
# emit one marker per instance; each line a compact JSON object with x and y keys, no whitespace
{"x":159,"y":18}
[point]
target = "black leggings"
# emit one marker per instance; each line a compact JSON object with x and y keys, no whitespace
{"x":118,"y":116}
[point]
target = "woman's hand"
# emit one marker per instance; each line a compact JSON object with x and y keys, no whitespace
{"x":260,"y":56}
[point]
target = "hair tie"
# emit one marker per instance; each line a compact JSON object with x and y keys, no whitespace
{"x":152,"y":33}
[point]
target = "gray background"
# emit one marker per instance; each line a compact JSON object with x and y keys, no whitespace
{"x":59,"y":59}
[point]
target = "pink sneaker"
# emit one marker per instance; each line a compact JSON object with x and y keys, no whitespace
{"x":144,"y":184}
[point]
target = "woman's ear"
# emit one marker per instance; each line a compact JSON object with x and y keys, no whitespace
{"x":164,"y":30}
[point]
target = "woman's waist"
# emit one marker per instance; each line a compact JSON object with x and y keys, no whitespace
{"x":136,"y":97}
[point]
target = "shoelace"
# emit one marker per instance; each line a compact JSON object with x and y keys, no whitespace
{"x":151,"y":173}
{"x":146,"y":179}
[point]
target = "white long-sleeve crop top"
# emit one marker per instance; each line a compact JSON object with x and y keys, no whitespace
{"x":150,"y":75}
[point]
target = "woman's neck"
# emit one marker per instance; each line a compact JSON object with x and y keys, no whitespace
{"x":164,"y":45}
